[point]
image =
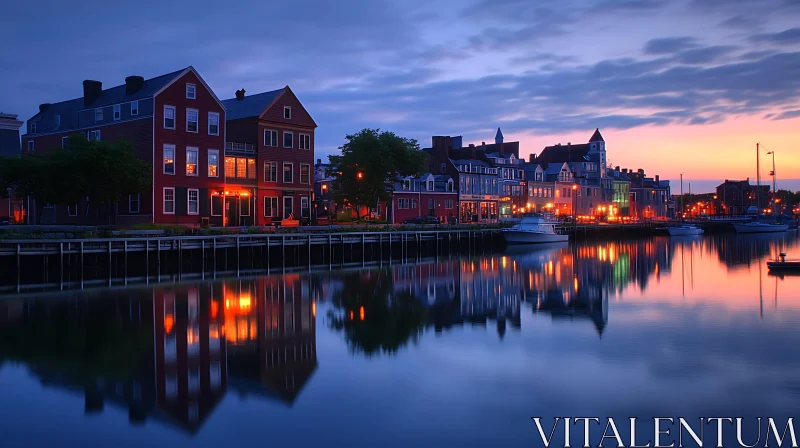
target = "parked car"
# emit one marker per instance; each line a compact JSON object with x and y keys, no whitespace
{"x":422,"y":220}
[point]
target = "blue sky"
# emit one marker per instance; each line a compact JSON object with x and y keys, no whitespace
{"x":664,"y":80}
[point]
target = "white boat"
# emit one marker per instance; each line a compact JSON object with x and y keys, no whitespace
{"x":759,"y":227}
{"x":684,"y":229}
{"x":533,"y":230}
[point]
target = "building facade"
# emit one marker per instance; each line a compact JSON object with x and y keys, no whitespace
{"x":175,"y":122}
{"x":11,"y":207}
{"x":427,"y":195}
{"x":275,"y":131}
{"x":739,"y":197}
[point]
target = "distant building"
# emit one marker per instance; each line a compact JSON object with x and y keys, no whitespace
{"x":10,"y":208}
{"x":650,"y":197}
{"x":427,"y":195}
{"x":738,"y":197}
{"x":591,"y":156}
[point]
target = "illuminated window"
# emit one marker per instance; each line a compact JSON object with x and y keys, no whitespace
{"x":213,"y":163}
{"x":169,"y":159}
{"x":193,"y":339}
{"x":191,"y":161}
{"x":230,"y":167}
{"x":241,"y":168}
{"x":251,"y":168}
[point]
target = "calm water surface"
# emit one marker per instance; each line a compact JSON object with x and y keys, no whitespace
{"x":456,"y":352}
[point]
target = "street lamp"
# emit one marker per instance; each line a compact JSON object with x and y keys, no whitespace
{"x":574,"y":202}
{"x":772,"y":173}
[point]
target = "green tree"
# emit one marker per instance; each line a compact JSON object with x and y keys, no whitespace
{"x":370,"y":163}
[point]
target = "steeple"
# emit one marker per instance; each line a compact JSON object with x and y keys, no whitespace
{"x":596,"y":137}
{"x":498,"y":138}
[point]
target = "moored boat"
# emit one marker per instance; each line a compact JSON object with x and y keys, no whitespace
{"x":533,"y":230}
{"x":783,"y":265}
{"x":759,"y":227}
{"x":684,"y":230}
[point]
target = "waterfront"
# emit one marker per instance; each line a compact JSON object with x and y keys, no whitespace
{"x":456,"y":351}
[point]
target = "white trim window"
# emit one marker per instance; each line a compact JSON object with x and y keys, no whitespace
{"x":403,"y":203}
{"x":169,"y":200}
{"x":64,"y":142}
{"x":31,"y":146}
{"x":134,"y":108}
{"x":305,"y":141}
{"x":169,"y":159}
{"x":72,"y":210}
{"x":305,"y":173}
{"x":270,"y":138}
{"x":288,"y":206}
{"x":213,"y":163}
{"x":288,"y":173}
{"x":270,"y":171}
{"x":191,"y":161}
{"x":304,"y":208}
{"x":169,"y":117}
{"x":98,"y":115}
{"x":213,"y":123}
{"x":448,"y":204}
{"x":270,"y":207}
{"x":192,"y":117}
{"x":94,"y":136}
{"x":193,"y":201}
{"x":430,"y":185}
{"x":191,"y":91}
{"x":134,"y":203}
{"x":288,"y":139}
{"x":117,"y":112}
{"x":287,"y":112}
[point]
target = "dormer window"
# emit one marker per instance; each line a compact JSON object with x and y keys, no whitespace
{"x":98,"y":115}
{"x":450,"y":185}
{"x":430,"y":184}
{"x":287,"y":112}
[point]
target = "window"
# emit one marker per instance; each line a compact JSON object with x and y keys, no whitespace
{"x":72,"y":210}
{"x":270,"y":138}
{"x":117,"y":111}
{"x":169,"y":201}
{"x":191,"y":161}
{"x":304,"y":210}
{"x":430,"y":185}
{"x":98,"y":115}
{"x":287,"y":207}
{"x":33,"y":128}
{"x":64,"y":142}
{"x":213,"y":123}
{"x":431,"y":204}
{"x":58,"y":121}
{"x":94,"y":136}
{"x":30,"y":146}
{"x":305,"y":141}
{"x":193,"y":207}
{"x":133,"y":203}
{"x":270,"y":207}
{"x":169,"y":159}
{"x":288,"y":177}
{"x":288,"y":140}
{"x":244,"y":206}
{"x":213,"y":163}
{"x":448,"y":203}
{"x":402,"y":203}
{"x":450,"y":185}
{"x":230,"y":167}
{"x":191,"y":120}
{"x":134,"y":108}
{"x":444,"y":168}
{"x":305,"y":171}
{"x":216,"y":205}
{"x":251,"y":168}
{"x":169,"y":117}
{"x":287,"y":112}
{"x":191,"y":91}
{"x":270,"y":172}
{"x":414,"y":203}
{"x":241,"y":168}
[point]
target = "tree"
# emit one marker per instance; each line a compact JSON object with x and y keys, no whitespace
{"x":370,"y":163}
{"x":102,"y":171}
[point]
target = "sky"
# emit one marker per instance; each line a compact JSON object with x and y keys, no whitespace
{"x":676,"y":86}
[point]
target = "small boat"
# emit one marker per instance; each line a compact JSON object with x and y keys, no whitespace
{"x":759,"y":227}
{"x":684,"y":230}
{"x":533,"y":230}
{"x":783,"y":265}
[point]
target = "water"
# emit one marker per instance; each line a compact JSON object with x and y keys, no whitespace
{"x":459,"y":352}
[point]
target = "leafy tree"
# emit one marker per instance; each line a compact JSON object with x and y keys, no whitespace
{"x":371,"y":161}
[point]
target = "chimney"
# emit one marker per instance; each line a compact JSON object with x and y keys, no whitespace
{"x":641,"y":171}
{"x":531,"y":158}
{"x":43,"y":107}
{"x":91,"y":91}
{"x":471,"y":145}
{"x":133,"y":84}
{"x":657,"y":178}
{"x":625,"y":170}
{"x":616,"y":168}
{"x":240,"y":94}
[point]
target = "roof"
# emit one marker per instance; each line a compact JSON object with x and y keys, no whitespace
{"x":596,"y":137}
{"x":68,"y":110}
{"x":564,"y":153}
{"x":470,"y":162}
{"x":499,"y":136}
{"x":250,"y":106}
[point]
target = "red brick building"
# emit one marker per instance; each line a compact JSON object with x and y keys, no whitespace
{"x":175,"y":122}
{"x":428,"y":195}
{"x":274,"y":134}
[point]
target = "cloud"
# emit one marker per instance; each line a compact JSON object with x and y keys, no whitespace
{"x":787,"y":115}
{"x":740,"y":22}
{"x":669,"y":45}
{"x":787,"y":37}
{"x":705,"y":55}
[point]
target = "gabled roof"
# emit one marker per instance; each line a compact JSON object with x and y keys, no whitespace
{"x":499,"y":135}
{"x":250,"y":106}
{"x":563,"y":153}
{"x":596,"y":137}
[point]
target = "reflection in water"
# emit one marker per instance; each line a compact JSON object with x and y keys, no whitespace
{"x":172,"y":354}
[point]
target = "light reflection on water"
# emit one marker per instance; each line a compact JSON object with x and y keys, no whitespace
{"x":459,"y":352}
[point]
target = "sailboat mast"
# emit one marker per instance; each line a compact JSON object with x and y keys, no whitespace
{"x":682,"y":208}
{"x":758,"y":180}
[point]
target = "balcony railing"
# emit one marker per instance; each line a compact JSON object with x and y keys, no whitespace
{"x":240,"y":147}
